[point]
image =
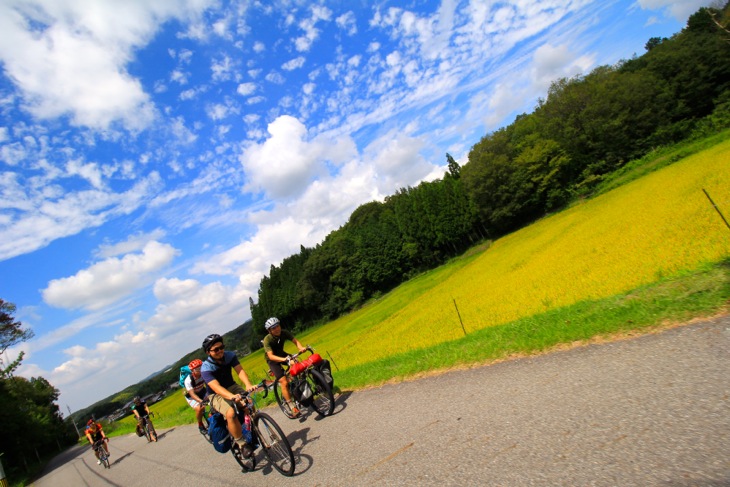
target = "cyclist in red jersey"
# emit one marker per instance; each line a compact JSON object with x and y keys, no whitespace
{"x":94,"y":433}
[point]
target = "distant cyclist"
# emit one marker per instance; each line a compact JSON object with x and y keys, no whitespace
{"x":142,"y":412}
{"x":94,"y":433}
{"x":217,"y":371}
{"x":195,"y":391}
{"x":275,"y":355}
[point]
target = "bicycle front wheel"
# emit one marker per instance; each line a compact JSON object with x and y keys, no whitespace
{"x":323,"y":401}
{"x":274,"y":443}
{"x":283,"y":405}
{"x":104,"y":458}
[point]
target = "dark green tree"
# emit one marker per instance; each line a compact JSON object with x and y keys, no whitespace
{"x":11,"y":333}
{"x":454,"y":168}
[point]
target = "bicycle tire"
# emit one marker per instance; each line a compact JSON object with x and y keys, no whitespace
{"x":274,"y":443}
{"x":147,"y":433}
{"x":283,"y":405}
{"x":323,"y":401}
{"x":103,"y":457}
{"x":205,"y":425}
{"x":153,"y":432}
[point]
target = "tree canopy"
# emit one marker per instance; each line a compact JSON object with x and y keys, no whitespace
{"x":30,"y":405}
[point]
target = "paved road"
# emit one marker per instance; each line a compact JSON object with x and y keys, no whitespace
{"x":652,"y":411}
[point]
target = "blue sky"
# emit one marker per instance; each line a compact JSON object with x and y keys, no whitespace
{"x":158,"y":158}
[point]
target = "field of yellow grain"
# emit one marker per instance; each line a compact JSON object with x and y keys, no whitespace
{"x":658,"y":226}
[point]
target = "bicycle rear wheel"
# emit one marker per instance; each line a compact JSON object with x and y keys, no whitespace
{"x":205,"y":426}
{"x":283,"y":405}
{"x":274,"y":443}
{"x":323,"y":401}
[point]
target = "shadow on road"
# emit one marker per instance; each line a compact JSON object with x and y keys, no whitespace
{"x":167,"y":432}
{"x":122,"y":458}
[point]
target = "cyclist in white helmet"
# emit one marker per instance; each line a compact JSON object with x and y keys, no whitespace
{"x":275,"y":355}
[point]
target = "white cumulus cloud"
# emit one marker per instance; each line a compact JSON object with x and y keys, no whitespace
{"x":109,"y":280}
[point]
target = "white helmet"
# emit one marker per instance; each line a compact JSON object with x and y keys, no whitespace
{"x":271,"y":323}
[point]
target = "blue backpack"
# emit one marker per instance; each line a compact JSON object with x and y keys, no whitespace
{"x":218,"y":433}
{"x":184,"y":373}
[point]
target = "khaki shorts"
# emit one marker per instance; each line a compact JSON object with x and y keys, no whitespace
{"x":220,"y":404}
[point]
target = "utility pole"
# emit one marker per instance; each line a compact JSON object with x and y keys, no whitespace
{"x":73,"y":421}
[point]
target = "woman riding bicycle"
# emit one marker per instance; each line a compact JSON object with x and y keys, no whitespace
{"x":275,"y":356}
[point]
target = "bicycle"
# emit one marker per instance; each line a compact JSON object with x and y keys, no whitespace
{"x":149,"y":430}
{"x":103,"y":456}
{"x":307,"y":386}
{"x":261,"y":430}
{"x":206,"y":414}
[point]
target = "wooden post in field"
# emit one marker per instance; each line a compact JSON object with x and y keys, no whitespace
{"x":333,"y":361}
{"x":459,"y":315}
{"x":716,"y":209}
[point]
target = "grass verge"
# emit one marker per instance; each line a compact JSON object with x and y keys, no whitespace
{"x":668,"y":302}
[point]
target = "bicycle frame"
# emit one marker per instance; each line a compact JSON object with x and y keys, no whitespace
{"x":322,"y":400}
{"x":98,"y":447}
{"x":149,"y":430}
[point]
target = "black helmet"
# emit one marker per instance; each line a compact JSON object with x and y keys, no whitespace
{"x":136,"y":399}
{"x":210,"y":340}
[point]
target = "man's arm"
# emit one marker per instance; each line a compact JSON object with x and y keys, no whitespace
{"x":275,"y":358}
{"x":220,"y":390}
{"x":299,"y":345}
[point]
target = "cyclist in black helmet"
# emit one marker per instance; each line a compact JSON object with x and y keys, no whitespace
{"x":142,"y":413}
{"x":222,"y":389}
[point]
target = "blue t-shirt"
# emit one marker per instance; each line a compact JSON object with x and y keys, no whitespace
{"x":223,"y":373}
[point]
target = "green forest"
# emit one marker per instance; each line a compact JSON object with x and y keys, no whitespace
{"x":587,"y":128}
{"x":30,"y":410}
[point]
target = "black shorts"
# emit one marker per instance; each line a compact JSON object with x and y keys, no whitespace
{"x":277,"y":369}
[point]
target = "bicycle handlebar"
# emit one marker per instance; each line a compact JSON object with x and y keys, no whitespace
{"x":263,"y":385}
{"x":308,"y":348}
{"x":98,"y":443}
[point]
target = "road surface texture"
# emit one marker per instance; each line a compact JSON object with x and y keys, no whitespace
{"x":650,"y":411}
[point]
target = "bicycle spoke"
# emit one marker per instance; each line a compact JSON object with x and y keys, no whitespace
{"x":275,"y":444}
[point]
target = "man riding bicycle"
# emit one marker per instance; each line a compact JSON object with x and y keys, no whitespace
{"x":222,"y":388}
{"x":142,"y":413}
{"x":195,"y":391}
{"x":94,"y":433}
{"x":275,"y":356}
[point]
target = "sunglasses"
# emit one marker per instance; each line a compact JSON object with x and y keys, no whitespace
{"x":217,"y":349}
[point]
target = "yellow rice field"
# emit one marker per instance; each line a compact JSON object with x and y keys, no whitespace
{"x":657,"y":226}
